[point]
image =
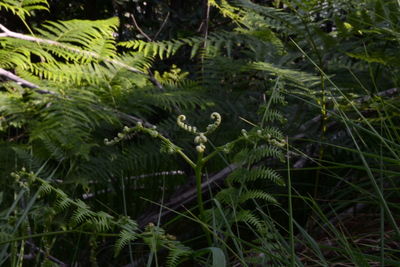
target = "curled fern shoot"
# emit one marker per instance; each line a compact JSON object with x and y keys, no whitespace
{"x":181,"y":123}
{"x":217,"y":121}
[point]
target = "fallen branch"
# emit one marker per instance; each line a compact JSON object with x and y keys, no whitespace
{"x":387,"y":93}
{"x":41,"y":251}
{"x":108,"y":190}
{"x":185,"y":195}
{"x":162,"y":27}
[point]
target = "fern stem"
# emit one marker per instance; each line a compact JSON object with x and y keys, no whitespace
{"x":218,"y":149}
{"x":180,"y":152}
{"x":198,"y":173}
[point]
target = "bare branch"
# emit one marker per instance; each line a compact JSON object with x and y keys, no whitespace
{"x":151,"y":76}
{"x":162,"y":26}
{"x":387,"y":93}
{"x":41,"y":251}
{"x":139,"y":29}
{"x":11,"y":76}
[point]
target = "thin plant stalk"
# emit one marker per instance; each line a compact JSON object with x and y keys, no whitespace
{"x":289,"y":185}
{"x":199,"y":173}
{"x":126,"y":214}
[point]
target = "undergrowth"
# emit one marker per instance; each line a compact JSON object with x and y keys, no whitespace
{"x":298,"y":167}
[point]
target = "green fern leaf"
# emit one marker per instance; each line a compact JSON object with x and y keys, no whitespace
{"x":23,"y":8}
{"x":243,"y":175}
{"x":257,"y":194}
{"x":177,"y":251}
{"x":248,"y":217}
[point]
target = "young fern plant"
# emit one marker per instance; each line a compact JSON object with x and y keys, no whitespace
{"x":271,"y":136}
{"x":197,"y":165}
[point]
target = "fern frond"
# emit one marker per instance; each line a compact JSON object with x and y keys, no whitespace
{"x":274,"y":132}
{"x":271,"y":115}
{"x":102,"y":221}
{"x":217,"y":42}
{"x":94,"y":36}
{"x":242,"y":175}
{"x":177,"y":251}
{"x":23,"y":8}
{"x":162,"y":49}
{"x":262,"y":152}
{"x":275,"y":18}
{"x":72,"y":73}
{"x":248,"y":217}
{"x":125,"y":237}
{"x":45,"y":189}
{"x":86,"y":47}
{"x":297,"y":77}
{"x":127,"y":234}
{"x":63,"y":202}
{"x":252,"y":156}
{"x":13,"y":56}
{"x":228,"y":195}
{"x":257,"y":194}
{"x":227,"y":10}
{"x":81,"y":213}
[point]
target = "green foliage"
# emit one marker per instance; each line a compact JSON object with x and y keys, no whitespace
{"x":327,"y":69}
{"x":84,"y":219}
{"x":156,"y":238}
{"x":63,"y":129}
{"x":23,"y":8}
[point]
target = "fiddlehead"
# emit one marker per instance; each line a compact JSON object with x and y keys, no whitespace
{"x":213,"y":126}
{"x":181,"y":123}
{"x":200,"y":138}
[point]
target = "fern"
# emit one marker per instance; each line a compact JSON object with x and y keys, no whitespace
{"x":227,"y":196}
{"x":257,"y":194}
{"x":23,"y":8}
{"x":275,"y":18}
{"x":100,"y":222}
{"x":248,"y":217}
{"x":63,"y":202}
{"x":177,"y":252}
{"x":162,"y":49}
{"x":94,"y":88}
{"x":259,"y":153}
{"x":156,"y":238}
{"x":125,"y":237}
{"x":83,"y":45}
{"x":244,"y":175}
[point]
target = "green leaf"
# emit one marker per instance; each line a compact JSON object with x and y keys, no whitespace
{"x":218,"y":256}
